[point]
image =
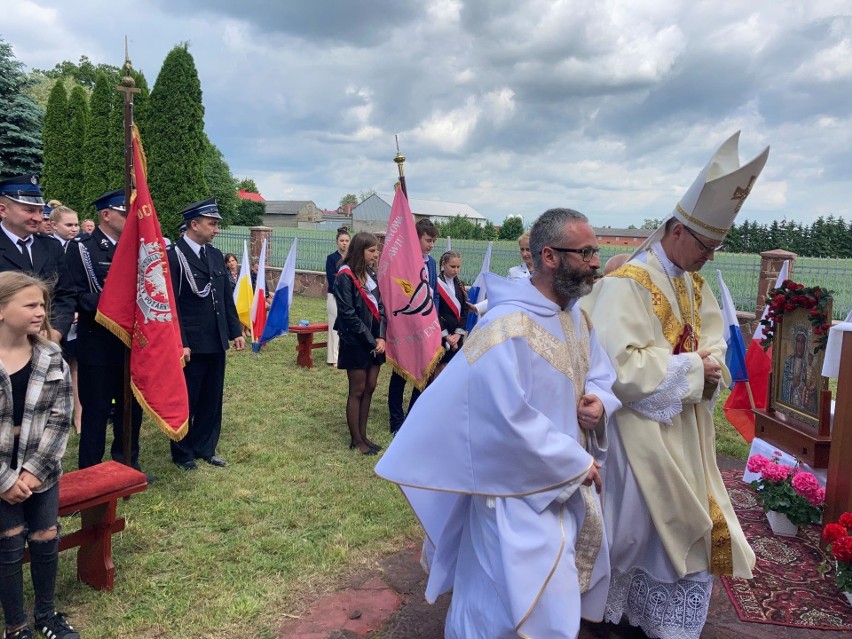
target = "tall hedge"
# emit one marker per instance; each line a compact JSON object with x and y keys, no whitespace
{"x":175,"y":140}
{"x":78,"y":123}
{"x":55,"y":174}
{"x":98,"y":177}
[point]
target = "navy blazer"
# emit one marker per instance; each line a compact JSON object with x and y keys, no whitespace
{"x":332,"y":262}
{"x":46,"y":252}
{"x":208,"y":323}
{"x":96,"y":346}
{"x":48,"y":257}
{"x":432,"y":275}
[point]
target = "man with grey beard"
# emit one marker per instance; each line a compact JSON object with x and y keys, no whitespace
{"x":574,"y":271}
{"x":523,"y":551}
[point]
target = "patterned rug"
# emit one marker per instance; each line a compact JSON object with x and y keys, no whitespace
{"x":787,"y":588}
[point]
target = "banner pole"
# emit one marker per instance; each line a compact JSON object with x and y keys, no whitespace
{"x":128,"y":88}
{"x":750,"y":396}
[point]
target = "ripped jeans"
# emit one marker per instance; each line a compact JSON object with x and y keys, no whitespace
{"x":35,"y":514}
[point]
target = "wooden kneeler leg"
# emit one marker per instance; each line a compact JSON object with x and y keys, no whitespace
{"x":94,"y":558}
{"x":304,"y":345}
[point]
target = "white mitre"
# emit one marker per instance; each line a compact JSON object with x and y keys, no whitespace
{"x":711,"y":204}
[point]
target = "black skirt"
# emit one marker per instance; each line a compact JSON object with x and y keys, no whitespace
{"x":357,"y":357}
{"x":355,"y":354}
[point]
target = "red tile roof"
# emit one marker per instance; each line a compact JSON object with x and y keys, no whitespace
{"x":247,"y":195}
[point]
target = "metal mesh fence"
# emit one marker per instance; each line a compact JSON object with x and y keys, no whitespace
{"x":741,"y":272}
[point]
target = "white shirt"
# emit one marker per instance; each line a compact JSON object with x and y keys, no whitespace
{"x":14,"y":239}
{"x":195,"y":246}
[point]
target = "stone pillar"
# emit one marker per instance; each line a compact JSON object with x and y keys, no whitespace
{"x":770,"y":265}
{"x":257,"y":235}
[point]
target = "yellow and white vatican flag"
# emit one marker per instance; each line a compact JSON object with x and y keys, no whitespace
{"x":243,"y":293}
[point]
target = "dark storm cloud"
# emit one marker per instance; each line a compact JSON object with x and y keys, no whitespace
{"x":327,"y":21}
{"x":512,"y":107}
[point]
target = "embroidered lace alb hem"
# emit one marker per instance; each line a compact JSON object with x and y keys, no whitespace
{"x":662,"y":610}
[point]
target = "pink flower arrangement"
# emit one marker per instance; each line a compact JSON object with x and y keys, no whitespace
{"x":807,"y":485}
{"x":839,"y":539}
{"x":770,"y":469}
{"x":787,"y":490}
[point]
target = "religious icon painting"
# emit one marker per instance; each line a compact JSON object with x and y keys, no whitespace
{"x":797,"y":379}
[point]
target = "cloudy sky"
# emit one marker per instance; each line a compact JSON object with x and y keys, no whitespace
{"x":609,"y":107}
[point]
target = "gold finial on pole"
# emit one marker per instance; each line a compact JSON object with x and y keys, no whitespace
{"x":400,"y":160}
{"x":127,"y":81}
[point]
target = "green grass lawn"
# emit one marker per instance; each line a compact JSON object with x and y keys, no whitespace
{"x":234,"y":552}
{"x":728,"y":440}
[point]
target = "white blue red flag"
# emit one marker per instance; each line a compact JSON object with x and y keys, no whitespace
{"x":758,"y":363}
{"x":735,"y":355}
{"x":278,"y":319}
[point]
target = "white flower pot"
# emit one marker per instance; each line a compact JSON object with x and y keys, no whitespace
{"x":781,"y":525}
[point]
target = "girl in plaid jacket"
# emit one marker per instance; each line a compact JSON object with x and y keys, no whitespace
{"x":35,"y":419}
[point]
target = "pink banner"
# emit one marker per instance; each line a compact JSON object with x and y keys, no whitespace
{"x":413,"y":332}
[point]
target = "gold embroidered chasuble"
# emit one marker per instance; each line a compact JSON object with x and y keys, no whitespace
{"x":639,"y":314}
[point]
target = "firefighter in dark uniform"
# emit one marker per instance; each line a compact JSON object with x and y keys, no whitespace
{"x":100,"y":354}
{"x":208,"y":321}
{"x":22,"y":247}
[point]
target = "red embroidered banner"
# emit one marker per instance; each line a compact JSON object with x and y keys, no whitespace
{"x":138,"y":306}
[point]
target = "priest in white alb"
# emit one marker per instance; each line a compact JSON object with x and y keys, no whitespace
{"x":669,"y":520}
{"x":500,"y":457}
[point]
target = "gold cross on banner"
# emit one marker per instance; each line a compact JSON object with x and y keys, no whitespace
{"x":741,"y":193}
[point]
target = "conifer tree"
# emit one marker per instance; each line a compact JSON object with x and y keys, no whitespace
{"x":20,"y":119}
{"x":78,"y":123}
{"x":97,"y":177}
{"x":175,"y":140}
{"x":222,"y":184}
{"x":141,"y":101}
{"x":55,"y":180}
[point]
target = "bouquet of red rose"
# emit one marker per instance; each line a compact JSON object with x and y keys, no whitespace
{"x":790,"y":296}
{"x":793,"y":492}
{"x":839,"y":539}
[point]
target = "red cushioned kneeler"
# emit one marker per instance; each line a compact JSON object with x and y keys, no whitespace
{"x":94,"y":492}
